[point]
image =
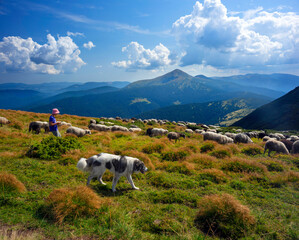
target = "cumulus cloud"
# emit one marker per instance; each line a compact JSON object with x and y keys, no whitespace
{"x":89,"y":45}
{"x":53,"y":57}
{"x":211,"y":36}
{"x":75,"y":34}
{"x":141,"y":58}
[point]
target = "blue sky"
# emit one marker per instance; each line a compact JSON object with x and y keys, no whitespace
{"x":129,"y":40}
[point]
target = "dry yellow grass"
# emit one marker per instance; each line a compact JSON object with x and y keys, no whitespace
{"x":9,"y":183}
{"x":74,"y":202}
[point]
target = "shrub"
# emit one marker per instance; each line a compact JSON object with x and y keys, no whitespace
{"x":207,"y":147}
{"x":252,"y":150}
{"x":224,"y":216}
{"x":213,"y":175}
{"x":174,"y":156}
{"x":53,"y":147}
{"x":10,"y":184}
{"x":69,"y":204}
{"x":221,"y":153}
{"x":183,"y":168}
{"x":243,"y":165}
{"x":275,"y":167}
{"x":283,"y":178}
{"x":151,"y":148}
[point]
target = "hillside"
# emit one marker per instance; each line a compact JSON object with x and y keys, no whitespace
{"x":93,"y":85}
{"x":219,"y":112}
{"x":16,"y":99}
{"x":281,"y":114}
{"x":234,"y":187}
{"x":170,"y":89}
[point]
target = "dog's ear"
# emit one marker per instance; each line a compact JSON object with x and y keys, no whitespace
{"x":136,"y":165}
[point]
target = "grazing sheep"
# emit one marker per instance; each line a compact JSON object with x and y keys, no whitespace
{"x":295,"y":148}
{"x":38,"y":125}
{"x":4,"y":120}
{"x":242,"y":138}
{"x":231,"y":135}
{"x":65,"y":124}
{"x":287,"y":143}
{"x":200,"y":131}
{"x":212,"y":130}
{"x":261,"y":135}
{"x":181,"y":125}
{"x":175,"y":136}
{"x":189,"y":131}
{"x":266,"y":138}
{"x":293,"y":138}
{"x":119,"y":128}
{"x":79,"y":132}
{"x":153,"y":132}
{"x":135,"y":129}
{"x":99,"y":127}
{"x":222,"y":139}
{"x":92,"y":121}
{"x":277,"y":146}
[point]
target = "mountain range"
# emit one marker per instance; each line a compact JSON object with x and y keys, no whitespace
{"x":280,"y":114}
{"x":172,"y":95}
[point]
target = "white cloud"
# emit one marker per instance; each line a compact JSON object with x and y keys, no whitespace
{"x":75,"y":34}
{"x":141,"y":58}
{"x":89,"y":45}
{"x":210,"y":36}
{"x":54,"y":57}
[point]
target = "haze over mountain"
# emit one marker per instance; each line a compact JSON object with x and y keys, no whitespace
{"x":173,"y":88}
{"x":280,"y":114}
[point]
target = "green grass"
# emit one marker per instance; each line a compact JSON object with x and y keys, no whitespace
{"x":171,"y":193}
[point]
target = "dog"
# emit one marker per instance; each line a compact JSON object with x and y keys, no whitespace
{"x":118,"y":165}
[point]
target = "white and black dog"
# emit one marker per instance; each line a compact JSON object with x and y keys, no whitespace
{"x":118,"y":165}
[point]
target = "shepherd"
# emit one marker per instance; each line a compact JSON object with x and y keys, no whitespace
{"x":53,"y":124}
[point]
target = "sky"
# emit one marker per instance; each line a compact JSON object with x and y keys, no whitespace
{"x":130,"y":40}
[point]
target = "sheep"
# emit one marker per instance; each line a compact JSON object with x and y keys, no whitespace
{"x":153,"y":132}
{"x":212,"y":130}
{"x":99,"y":127}
{"x":231,"y":135}
{"x":261,"y":135}
{"x":175,"y":136}
{"x":222,"y":139}
{"x":287,"y":143}
{"x":242,"y":138}
{"x":274,"y":145}
{"x":38,"y":125}
{"x":79,"y":132}
{"x":295,"y":147}
{"x":119,"y":128}
{"x":135,"y":129}
{"x":92,"y":121}
{"x":189,"y":131}
{"x":181,"y":125}
{"x":4,"y":120}
{"x":266,"y":138}
{"x":65,"y":124}
{"x":293,"y":138}
{"x":200,"y":131}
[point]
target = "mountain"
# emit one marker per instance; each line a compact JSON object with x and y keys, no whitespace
{"x":49,"y":88}
{"x":16,"y":99}
{"x":277,"y":81}
{"x":173,"y":88}
{"x":71,"y":94}
{"x":92,"y":85}
{"x":280,"y":114}
{"x":218,"y":112}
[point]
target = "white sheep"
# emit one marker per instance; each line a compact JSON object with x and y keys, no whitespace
{"x":189,"y":131}
{"x":135,"y":129}
{"x":295,"y":147}
{"x":36,"y":126}
{"x":274,"y":145}
{"x":65,"y":124}
{"x":79,"y":132}
{"x":92,"y":121}
{"x":4,"y":120}
{"x":222,"y":139}
{"x":119,"y":128}
{"x":153,"y":132}
{"x":99,"y":127}
{"x":242,"y":138}
{"x":175,"y":136}
{"x":230,"y":135}
{"x":200,"y":131}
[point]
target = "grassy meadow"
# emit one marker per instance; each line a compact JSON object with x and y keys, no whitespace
{"x":193,"y":189}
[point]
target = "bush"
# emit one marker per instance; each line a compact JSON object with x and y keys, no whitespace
{"x":151,"y":148}
{"x":207,"y":147}
{"x":53,"y":147}
{"x":252,"y":150}
{"x":221,"y":153}
{"x":10,"y":184}
{"x":242,"y":165}
{"x":174,"y":156}
{"x":69,"y":204}
{"x":213,"y":175}
{"x":275,"y":167}
{"x":224,"y":216}
{"x":183,"y":168}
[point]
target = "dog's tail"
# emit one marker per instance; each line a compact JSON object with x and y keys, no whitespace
{"x":82,"y":165}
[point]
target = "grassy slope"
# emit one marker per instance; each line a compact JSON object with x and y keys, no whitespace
{"x":165,"y":207}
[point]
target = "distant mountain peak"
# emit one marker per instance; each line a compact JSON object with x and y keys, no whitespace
{"x":177,"y":73}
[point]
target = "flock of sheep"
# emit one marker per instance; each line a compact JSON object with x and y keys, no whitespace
{"x":277,"y":142}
